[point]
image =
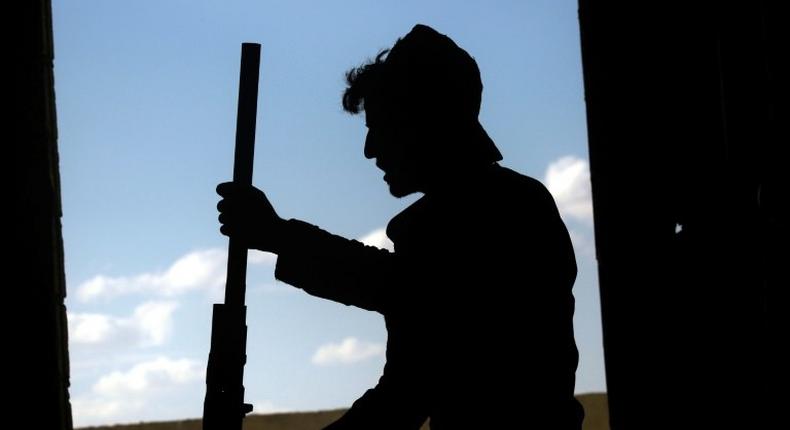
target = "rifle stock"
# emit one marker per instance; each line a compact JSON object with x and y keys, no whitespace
{"x":224,"y":407}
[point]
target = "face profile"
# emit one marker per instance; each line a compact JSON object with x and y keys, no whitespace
{"x":421,"y":101}
{"x":392,"y":144}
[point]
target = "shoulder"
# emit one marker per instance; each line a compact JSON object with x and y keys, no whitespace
{"x":520,"y":189}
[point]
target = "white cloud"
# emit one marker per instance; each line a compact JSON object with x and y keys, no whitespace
{"x":350,"y":350}
{"x":154,"y":320}
{"x":198,"y":270}
{"x":150,"y":324}
{"x":143,"y":392}
{"x":193,"y":271}
{"x":378,"y":238}
{"x":267,"y":407}
{"x":88,"y":410}
{"x":91,"y":328}
{"x":149,"y":376}
{"x":568,"y":180}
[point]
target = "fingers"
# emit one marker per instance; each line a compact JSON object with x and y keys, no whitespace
{"x":232,"y":195}
{"x":228,"y":214}
{"x":229,"y":231}
{"x":229,"y":225}
{"x":225,"y":207}
{"x":232,"y":206}
{"x":244,"y":210}
{"x":226,"y":188}
{"x":223,"y":221}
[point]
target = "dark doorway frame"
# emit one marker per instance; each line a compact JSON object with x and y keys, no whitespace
{"x":687,"y":124}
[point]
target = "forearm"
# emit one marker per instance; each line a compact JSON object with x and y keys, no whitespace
{"x":333,"y":267}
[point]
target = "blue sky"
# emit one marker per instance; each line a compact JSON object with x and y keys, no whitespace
{"x":146,"y":99}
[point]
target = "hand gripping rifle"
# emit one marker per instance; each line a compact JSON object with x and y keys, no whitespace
{"x":224,"y":407}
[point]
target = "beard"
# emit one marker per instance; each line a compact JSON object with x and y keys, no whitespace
{"x":400,"y":191}
{"x":400,"y":186}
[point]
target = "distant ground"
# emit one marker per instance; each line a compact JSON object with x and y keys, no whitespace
{"x":595,"y":408}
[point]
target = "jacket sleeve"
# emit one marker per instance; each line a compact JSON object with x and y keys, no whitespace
{"x":336,"y":268}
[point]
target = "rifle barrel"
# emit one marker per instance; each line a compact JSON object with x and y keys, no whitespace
{"x":224,"y":407}
{"x":242,"y":163}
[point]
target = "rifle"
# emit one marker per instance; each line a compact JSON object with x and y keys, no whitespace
{"x":224,"y":407}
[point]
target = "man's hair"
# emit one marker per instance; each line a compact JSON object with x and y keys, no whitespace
{"x":362,"y":81}
{"x":428,"y":80}
{"x":422,"y":65}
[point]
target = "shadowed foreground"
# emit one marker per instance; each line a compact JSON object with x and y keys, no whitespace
{"x":595,"y":408}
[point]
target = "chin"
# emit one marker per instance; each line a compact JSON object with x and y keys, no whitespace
{"x":400,"y":190}
{"x":400,"y":193}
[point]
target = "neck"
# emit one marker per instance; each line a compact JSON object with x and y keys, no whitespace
{"x":455,"y":177}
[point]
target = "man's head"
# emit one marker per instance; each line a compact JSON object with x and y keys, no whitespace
{"x":421,"y":100}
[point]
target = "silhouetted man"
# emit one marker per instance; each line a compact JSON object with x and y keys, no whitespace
{"x":477,"y":293}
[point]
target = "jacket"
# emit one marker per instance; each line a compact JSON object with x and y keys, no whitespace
{"x":477,"y":301}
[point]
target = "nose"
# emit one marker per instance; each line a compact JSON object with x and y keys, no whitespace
{"x":371,"y":146}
